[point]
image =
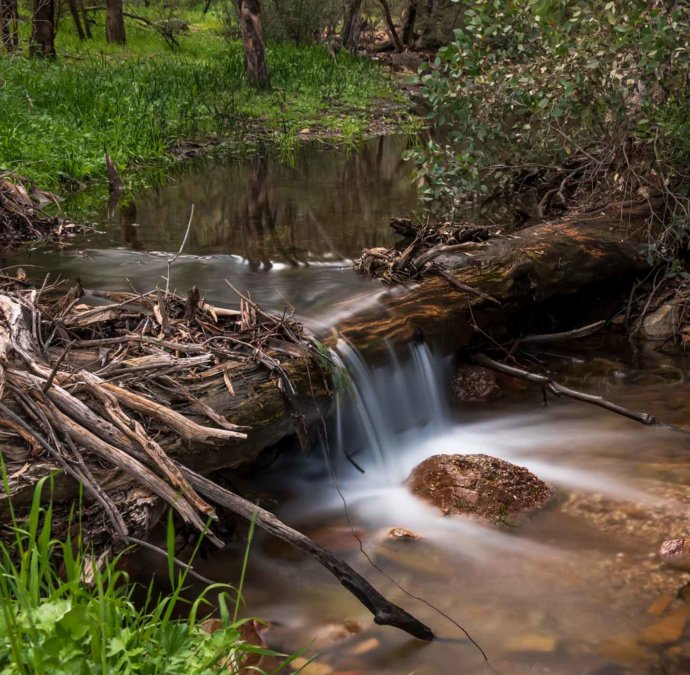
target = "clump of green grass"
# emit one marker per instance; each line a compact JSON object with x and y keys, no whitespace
{"x":58,"y":119}
{"x":52,"y":622}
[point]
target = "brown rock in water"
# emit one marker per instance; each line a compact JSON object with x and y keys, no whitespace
{"x":667,"y":630}
{"x":478,"y":485}
{"x":401,"y":534}
{"x":676,"y":553}
{"x":474,"y":383}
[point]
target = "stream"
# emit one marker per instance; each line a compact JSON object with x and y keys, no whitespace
{"x":568,"y":590}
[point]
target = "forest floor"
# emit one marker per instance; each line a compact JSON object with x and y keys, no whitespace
{"x":150,"y":104}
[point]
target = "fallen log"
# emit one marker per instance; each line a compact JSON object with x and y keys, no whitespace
{"x":91,"y":419}
{"x":455,"y":293}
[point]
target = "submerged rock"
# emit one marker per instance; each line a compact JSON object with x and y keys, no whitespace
{"x":676,"y":553}
{"x":478,"y":485}
{"x":474,"y":383}
{"x":401,"y":534}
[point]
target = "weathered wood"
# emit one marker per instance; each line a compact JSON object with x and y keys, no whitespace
{"x":385,"y":612}
{"x":535,"y":265}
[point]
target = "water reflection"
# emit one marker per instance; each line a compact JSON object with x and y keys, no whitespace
{"x":326,"y":207}
{"x":283,"y":233}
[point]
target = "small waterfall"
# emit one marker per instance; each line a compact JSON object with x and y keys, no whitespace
{"x":379,"y":407}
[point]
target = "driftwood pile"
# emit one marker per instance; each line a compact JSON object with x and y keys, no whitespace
{"x":22,"y":218}
{"x":110,"y":379}
{"x":129,"y":400}
{"x":422,"y":245}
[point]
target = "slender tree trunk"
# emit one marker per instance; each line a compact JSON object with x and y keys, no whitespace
{"x":9,"y":25}
{"x":408,"y":26}
{"x":254,"y":50}
{"x":42,"y":41}
{"x":115,"y":22}
{"x":207,"y":6}
{"x":85,"y":19}
{"x":74,"y":11}
{"x":351,"y":24}
{"x":391,"y":28}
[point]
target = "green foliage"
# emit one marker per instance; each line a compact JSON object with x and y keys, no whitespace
{"x":535,"y":82}
{"x":58,"y":119}
{"x":52,"y":622}
{"x":302,"y":21}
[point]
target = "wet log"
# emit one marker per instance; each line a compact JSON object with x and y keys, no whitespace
{"x":539,"y":263}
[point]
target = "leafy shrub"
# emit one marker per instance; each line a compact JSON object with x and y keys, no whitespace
{"x":546,"y":84}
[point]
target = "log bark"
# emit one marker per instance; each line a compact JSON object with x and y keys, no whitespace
{"x":42,"y":41}
{"x":538,"y":264}
{"x":254,"y":50}
{"x":115,"y":22}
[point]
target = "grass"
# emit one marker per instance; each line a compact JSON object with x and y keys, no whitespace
{"x":58,"y":119}
{"x":52,"y":622}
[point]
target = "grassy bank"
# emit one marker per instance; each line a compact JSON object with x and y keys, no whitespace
{"x":53,"y":622}
{"x":137,"y":103}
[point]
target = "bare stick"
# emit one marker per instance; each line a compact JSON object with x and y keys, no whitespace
{"x":179,"y":253}
{"x":561,"y":390}
{"x":575,"y":334}
{"x":385,"y":612}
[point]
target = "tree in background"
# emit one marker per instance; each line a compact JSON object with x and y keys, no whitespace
{"x":8,"y":24}
{"x":254,"y":50}
{"x":115,"y":22}
{"x":42,"y":41}
{"x":351,"y":25}
{"x":74,"y":11}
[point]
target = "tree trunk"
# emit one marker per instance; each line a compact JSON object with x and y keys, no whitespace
{"x":9,"y":28}
{"x":85,"y":19}
{"x":539,"y":263}
{"x":74,"y":11}
{"x":42,"y":41}
{"x":391,"y":27}
{"x":351,"y":24}
{"x":115,"y":22}
{"x":408,"y":27}
{"x":254,"y":50}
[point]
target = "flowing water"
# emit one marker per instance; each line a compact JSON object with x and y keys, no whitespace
{"x":568,"y":590}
